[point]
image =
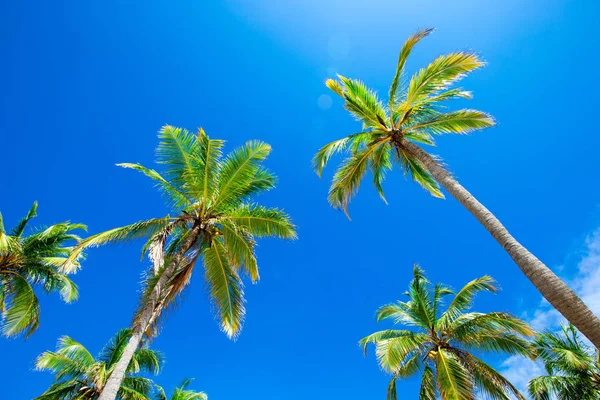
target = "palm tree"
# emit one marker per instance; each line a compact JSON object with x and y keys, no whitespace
{"x":216,"y":222}
{"x":29,"y":261}
{"x":573,"y":368}
{"x":79,"y":376}
{"x":412,"y":117}
{"x":182,"y":393}
{"x":440,"y":344}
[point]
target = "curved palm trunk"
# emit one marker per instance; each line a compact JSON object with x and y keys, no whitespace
{"x":546,"y":282}
{"x":148,"y":315}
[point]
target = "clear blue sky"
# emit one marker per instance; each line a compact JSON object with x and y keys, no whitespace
{"x":88,"y":84}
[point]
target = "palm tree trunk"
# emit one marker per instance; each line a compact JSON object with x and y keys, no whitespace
{"x":546,"y":282}
{"x":150,"y":311}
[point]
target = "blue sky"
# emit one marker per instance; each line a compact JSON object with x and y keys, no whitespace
{"x":88,"y":84}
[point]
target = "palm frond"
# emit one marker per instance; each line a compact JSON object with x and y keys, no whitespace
{"x":112,"y":351}
{"x":404,"y":53}
{"x":117,"y":235}
{"x":564,"y":387}
{"x":240,"y":247}
{"x":178,"y":199}
{"x":391,"y":390}
{"x":347,"y":178}
{"x":147,"y":360}
{"x":70,"y":359}
{"x":473,"y":323}
{"x":382,"y":335}
{"x":182,"y":393}
{"x":395,"y":352}
{"x":439,"y":293}
{"x":209,"y":155}
{"x":460,"y":121}
{"x":452,"y":94}
{"x":487,"y":379}
{"x":400,"y":313}
{"x":238,"y":171}
{"x":21,"y":308}
{"x":464,"y":299}
{"x":68,"y":390}
{"x":380,"y":163}
{"x":428,"y":389}
{"x":361,"y":102}
{"x":261,"y":221}
{"x":135,"y":388}
{"x":419,"y":174}
{"x":322,"y":157}
{"x":453,"y":378}
{"x":176,"y":151}
{"x":440,"y":74}
{"x":226,"y":289}
{"x":18,"y":230}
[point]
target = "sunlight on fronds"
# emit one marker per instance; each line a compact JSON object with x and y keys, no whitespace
{"x":226,"y":289}
{"x":174,"y":195}
{"x":122,"y":234}
{"x":78,"y":373}
{"x":347,"y":178}
{"x":440,"y":343}
{"x":404,"y":53}
{"x":572,"y":366}
{"x":413,"y":113}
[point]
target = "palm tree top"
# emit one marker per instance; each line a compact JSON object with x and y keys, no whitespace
{"x":182,"y":393}
{"x":30,"y":260}
{"x":413,"y":112}
{"x":440,"y":341}
{"x":79,"y":375}
{"x":213,"y":197}
{"x":572,"y":367}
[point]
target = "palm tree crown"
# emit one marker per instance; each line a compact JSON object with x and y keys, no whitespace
{"x":440,"y":344}
{"x":573,"y":367}
{"x":80,"y":376}
{"x":413,"y":113}
{"x":30,"y":260}
{"x":182,"y":393}
{"x":216,"y":220}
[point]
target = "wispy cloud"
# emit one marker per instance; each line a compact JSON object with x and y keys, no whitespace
{"x":585,"y":283}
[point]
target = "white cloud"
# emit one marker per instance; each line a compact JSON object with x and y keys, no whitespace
{"x":588,"y":281}
{"x":520,"y":370}
{"x":585,"y":283}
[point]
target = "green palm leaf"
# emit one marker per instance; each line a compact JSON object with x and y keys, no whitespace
{"x":440,"y":74}
{"x":428,"y":387}
{"x":174,"y":195}
{"x":261,"y":221}
{"x":117,"y":235}
{"x":404,"y":53}
{"x":80,"y":376}
{"x":19,"y":229}
{"x":226,"y":289}
{"x":239,"y":170}
{"x":573,"y":369}
{"x":322,"y":157}
{"x":240,"y":247}
{"x":175,"y":152}
{"x":347,"y":178}
{"x":209,"y":155}
{"x":441,"y":350}
{"x":21,"y":307}
{"x":463,"y":299}
{"x":362,"y":102}
{"x":453,"y":378}
{"x":461,"y":121}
